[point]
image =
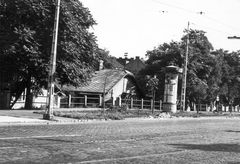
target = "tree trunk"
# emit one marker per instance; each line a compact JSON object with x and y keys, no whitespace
{"x":198,"y":107}
{"x":29,"y":95}
{"x":18,"y":95}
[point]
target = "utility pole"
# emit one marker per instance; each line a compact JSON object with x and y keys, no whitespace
{"x":184,"y":80}
{"x":48,"y":115}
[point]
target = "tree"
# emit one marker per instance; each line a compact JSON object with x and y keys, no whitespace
{"x":160,"y":57}
{"x":152,"y":84}
{"x":109,"y":62}
{"x":230,"y":83}
{"x":26,"y":37}
{"x":198,"y":65}
{"x":173,"y":53}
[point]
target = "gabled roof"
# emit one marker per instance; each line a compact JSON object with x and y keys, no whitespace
{"x":115,"y":63}
{"x":107,"y":77}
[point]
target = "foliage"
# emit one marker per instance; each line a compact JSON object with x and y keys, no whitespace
{"x":162,"y":56}
{"x":26,"y":39}
{"x":152,"y":86}
{"x":133,"y":113}
{"x":109,"y":62}
{"x":198,"y":66}
{"x":112,"y":114}
{"x":210,"y":73}
{"x":230,"y":84}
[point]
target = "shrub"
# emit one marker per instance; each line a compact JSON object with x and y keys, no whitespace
{"x":114,"y":116}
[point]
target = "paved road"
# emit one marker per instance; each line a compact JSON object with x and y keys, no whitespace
{"x":167,"y":141}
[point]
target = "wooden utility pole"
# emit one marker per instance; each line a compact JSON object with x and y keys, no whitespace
{"x":48,"y":115}
{"x":184,"y":79}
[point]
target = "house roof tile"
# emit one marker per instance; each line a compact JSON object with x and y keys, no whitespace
{"x":107,"y":77}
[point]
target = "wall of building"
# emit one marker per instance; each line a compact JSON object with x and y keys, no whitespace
{"x":40,"y":100}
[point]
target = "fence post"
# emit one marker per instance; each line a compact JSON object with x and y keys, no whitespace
{"x":69,"y":100}
{"x":58,"y":101}
{"x":113,"y":101}
{"x":85,"y":100}
{"x":100,"y":100}
{"x":131,"y":104}
{"x":160,"y":105}
{"x":119,"y":101}
{"x":141,"y":103}
{"x":151,"y":105}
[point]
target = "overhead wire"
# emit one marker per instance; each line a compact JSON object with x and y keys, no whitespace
{"x":220,"y":23}
{"x":173,"y":6}
{"x":211,"y":29}
{"x":201,"y":13}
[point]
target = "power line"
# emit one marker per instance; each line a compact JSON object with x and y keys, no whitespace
{"x":201,"y":13}
{"x":220,"y":22}
{"x":173,"y":6}
{"x":212,"y":29}
{"x":221,"y":12}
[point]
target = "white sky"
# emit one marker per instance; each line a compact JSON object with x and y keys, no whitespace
{"x":136,"y":26}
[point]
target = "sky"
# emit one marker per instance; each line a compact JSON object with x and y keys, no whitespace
{"x":137,"y":26}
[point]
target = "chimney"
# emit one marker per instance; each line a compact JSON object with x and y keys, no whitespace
{"x":100,"y":65}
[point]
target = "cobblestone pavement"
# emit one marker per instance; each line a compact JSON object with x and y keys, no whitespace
{"x":167,"y":141}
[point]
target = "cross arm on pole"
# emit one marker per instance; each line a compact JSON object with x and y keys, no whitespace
{"x":233,"y":37}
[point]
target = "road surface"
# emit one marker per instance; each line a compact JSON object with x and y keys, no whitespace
{"x":166,"y":141}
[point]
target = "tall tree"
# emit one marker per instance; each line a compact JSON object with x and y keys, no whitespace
{"x":160,"y":57}
{"x":198,"y":66}
{"x":26,"y":37}
{"x":230,"y":83}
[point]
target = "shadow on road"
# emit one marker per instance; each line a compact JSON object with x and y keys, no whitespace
{"x":210,"y":147}
{"x":54,"y":140}
{"x":233,"y":131}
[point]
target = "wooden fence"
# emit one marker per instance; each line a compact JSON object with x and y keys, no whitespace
{"x":84,"y":101}
{"x":80,"y":102}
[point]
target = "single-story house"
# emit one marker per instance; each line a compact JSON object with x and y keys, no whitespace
{"x":105,"y":85}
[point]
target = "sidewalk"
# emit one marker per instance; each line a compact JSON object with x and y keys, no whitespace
{"x":12,"y":117}
{"x":18,"y":117}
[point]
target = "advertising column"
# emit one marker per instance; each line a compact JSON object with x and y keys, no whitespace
{"x":170,"y":89}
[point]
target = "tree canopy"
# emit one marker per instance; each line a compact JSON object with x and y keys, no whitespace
{"x":26,"y":38}
{"x":210,"y":73}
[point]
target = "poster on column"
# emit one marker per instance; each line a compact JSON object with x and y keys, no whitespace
{"x":170,"y":87}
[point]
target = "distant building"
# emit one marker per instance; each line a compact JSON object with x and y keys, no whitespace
{"x":131,"y":64}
